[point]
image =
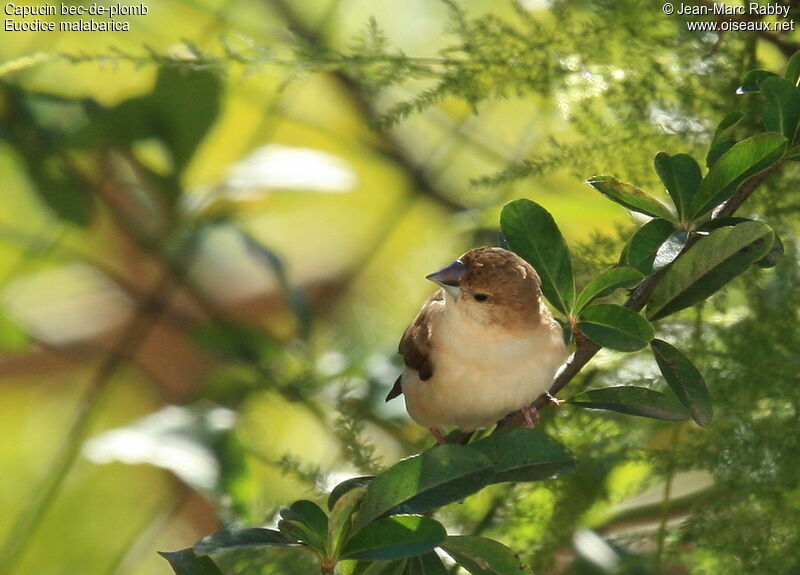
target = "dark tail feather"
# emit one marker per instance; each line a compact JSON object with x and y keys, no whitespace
{"x":397,"y":389}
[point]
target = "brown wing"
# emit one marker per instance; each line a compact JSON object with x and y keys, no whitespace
{"x":415,"y":344}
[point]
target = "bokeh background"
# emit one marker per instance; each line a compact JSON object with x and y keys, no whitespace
{"x":215,"y":226}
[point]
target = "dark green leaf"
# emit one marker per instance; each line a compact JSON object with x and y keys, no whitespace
{"x":433,"y":478}
{"x":395,"y":537}
{"x":793,"y":69}
{"x":615,"y":327}
{"x":341,"y":519}
{"x":606,"y":283}
{"x":644,"y":244}
{"x":397,"y":567}
{"x":717,"y":151}
{"x":742,"y":161}
{"x":482,"y":556}
{"x":630,"y":196}
{"x":310,"y":519}
{"x":426,"y":564}
{"x":681,"y":176}
{"x":752,"y":80}
{"x":346,"y":486}
{"x":532,"y":233}
{"x":725,"y":126}
{"x":525,"y":455}
{"x":684,"y":379}
{"x":710,"y":264}
{"x":632,"y":400}
{"x":670,"y":249}
{"x":233,"y":538}
{"x":782,"y":112}
{"x":773,"y":256}
{"x":185,"y":562}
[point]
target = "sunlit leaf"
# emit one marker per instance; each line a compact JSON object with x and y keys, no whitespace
{"x":632,"y":400}
{"x":341,"y":519}
{"x":615,"y":327}
{"x":395,"y":537}
{"x":710,"y":264}
{"x":670,"y":249}
{"x":605,"y":283}
{"x":525,"y":455}
{"x":307,"y":517}
{"x":630,"y":196}
{"x":742,"y":161}
{"x":482,"y":556}
{"x":433,"y":478}
{"x":532,"y":233}
{"x":684,"y":379}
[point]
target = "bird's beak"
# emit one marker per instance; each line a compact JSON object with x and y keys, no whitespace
{"x":450,"y":277}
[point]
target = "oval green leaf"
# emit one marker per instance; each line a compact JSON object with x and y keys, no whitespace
{"x":426,"y":564}
{"x":232,"y":538}
{"x":482,"y":556}
{"x":525,"y":455}
{"x":395,"y":537}
{"x":793,"y":69}
{"x":630,"y":196}
{"x":532,"y":233}
{"x":752,"y":80}
{"x":606,"y":283}
{"x":615,"y":327}
{"x":684,"y":379}
{"x":347,"y":485}
{"x":681,"y":176}
{"x":632,"y":400}
{"x":744,"y":160}
{"x":433,"y":478}
{"x":308,"y":513}
{"x":641,"y":250}
{"x":341,"y":519}
{"x":710,"y":264}
{"x":782,"y":112}
{"x":185,"y":562}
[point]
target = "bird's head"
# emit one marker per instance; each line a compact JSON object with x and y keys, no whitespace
{"x":491,"y":284}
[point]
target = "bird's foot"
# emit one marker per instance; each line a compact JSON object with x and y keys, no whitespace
{"x":438,"y":435}
{"x":531,"y":415}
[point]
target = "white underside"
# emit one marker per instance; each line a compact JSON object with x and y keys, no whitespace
{"x":481,"y":374}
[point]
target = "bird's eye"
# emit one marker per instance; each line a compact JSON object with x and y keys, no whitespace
{"x":480,"y":297}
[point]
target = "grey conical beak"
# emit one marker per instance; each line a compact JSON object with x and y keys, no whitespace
{"x":450,"y":277}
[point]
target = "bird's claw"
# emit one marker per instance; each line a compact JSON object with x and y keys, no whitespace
{"x":552,"y":400}
{"x":531,"y":415}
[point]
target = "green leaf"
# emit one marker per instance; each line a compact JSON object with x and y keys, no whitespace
{"x":782,"y":112}
{"x":341,"y":519}
{"x":681,"y":176}
{"x":630,"y":196}
{"x":397,"y":567}
{"x":395,"y":537}
{"x":717,"y":151}
{"x":532,"y":233}
{"x":345,"y":486}
{"x":12,"y":338}
{"x":725,"y":126}
{"x":710,"y":264}
{"x":232,"y":538}
{"x":742,"y":161}
{"x":632,"y":400}
{"x":793,"y":69}
{"x":641,"y":250}
{"x":185,"y":562}
{"x":525,"y":455}
{"x":433,"y":478}
{"x":684,"y":379}
{"x":310,"y":519}
{"x":426,"y":564}
{"x":752,"y":80}
{"x":773,"y":256}
{"x":615,"y":327}
{"x":482,"y":556}
{"x":606,"y":283}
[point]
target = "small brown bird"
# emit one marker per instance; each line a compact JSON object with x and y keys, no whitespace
{"x":482,"y":346}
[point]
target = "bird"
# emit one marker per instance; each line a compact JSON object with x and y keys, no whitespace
{"x":482,"y":346}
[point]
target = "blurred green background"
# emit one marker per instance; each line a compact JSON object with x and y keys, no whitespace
{"x":210,"y":244}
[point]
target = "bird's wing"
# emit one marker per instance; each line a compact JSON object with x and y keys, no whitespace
{"x":415,"y":344}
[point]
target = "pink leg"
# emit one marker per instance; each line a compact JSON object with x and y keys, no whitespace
{"x":531,"y":415}
{"x":438,"y":435}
